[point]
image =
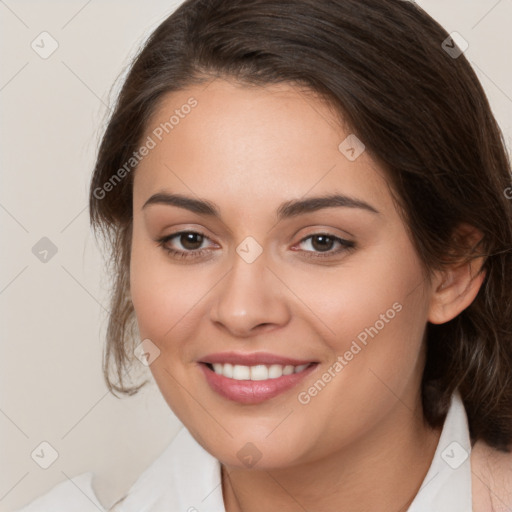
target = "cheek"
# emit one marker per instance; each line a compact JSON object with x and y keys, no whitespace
{"x":167,"y":297}
{"x":154,"y":289}
{"x":163,"y":297}
{"x":375,"y":308}
{"x":378,"y":293}
{"x":372,"y":312}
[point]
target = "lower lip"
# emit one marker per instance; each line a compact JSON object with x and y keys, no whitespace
{"x":253,"y":391}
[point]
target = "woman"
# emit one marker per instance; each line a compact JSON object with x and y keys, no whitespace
{"x":306,"y":203}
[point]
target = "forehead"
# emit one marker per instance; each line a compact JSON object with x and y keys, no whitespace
{"x":251,"y":145}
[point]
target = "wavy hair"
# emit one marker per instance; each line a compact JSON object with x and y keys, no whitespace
{"x":386,"y":68}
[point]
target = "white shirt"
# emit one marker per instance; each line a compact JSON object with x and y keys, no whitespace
{"x":186,"y":478}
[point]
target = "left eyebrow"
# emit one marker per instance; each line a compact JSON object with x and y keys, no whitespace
{"x":297,"y":207}
{"x":287,"y":209}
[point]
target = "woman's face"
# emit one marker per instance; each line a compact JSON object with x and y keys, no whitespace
{"x":278,"y":276}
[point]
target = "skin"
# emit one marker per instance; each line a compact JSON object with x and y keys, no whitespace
{"x":362,"y":441}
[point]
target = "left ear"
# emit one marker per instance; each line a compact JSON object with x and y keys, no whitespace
{"x":455,"y":287}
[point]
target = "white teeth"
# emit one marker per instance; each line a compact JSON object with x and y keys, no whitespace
{"x":275,"y":371}
{"x":226,"y":370}
{"x":241,"y":372}
{"x":288,"y":369}
{"x":257,"y":372}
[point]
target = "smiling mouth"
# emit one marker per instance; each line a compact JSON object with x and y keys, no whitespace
{"x":256,"y":372}
{"x":254,"y":384}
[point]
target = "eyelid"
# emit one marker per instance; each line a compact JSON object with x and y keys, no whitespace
{"x":166,"y":238}
{"x":345,"y":244}
{"x":317,"y":229}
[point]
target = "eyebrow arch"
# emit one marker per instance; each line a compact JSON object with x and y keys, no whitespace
{"x":287,"y":209}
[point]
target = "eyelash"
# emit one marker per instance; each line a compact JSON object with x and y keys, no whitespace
{"x":197,"y":253}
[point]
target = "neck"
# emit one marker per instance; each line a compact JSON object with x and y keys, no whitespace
{"x":381,"y":471}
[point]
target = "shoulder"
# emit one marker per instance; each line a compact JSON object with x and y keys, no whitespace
{"x":75,"y":494}
{"x":491,"y":475}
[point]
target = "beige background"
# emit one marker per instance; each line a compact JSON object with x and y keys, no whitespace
{"x":53,"y":314}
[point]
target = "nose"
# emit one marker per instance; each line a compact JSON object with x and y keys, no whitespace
{"x":250,"y":299}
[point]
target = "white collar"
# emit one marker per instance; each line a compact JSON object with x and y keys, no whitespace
{"x":187,"y":477}
{"x":447,"y":485}
{"x":184,"y":477}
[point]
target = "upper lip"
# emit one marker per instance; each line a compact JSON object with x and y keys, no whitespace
{"x":251,"y":359}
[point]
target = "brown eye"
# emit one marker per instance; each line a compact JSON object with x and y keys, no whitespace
{"x":184,"y":244}
{"x":321,"y":245}
{"x":322,"y":242}
{"x":190,"y":240}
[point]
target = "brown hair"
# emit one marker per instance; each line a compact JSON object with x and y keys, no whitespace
{"x":421,"y":113}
